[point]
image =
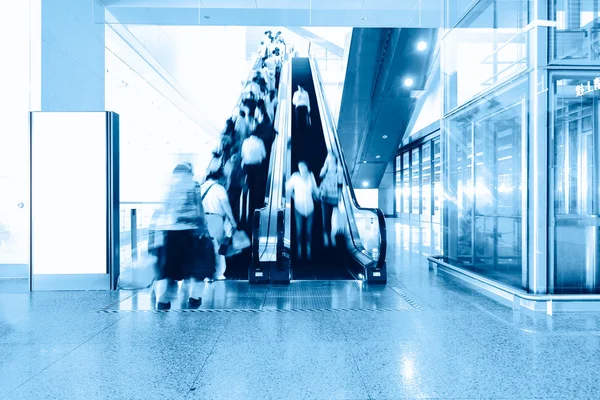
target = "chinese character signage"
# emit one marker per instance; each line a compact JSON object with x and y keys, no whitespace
{"x":582,"y":89}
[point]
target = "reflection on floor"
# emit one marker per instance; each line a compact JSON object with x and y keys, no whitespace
{"x":456,"y":343}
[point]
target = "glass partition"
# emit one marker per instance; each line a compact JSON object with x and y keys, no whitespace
{"x":426,"y":180}
{"x":415,"y":181}
{"x":484,"y":186}
{"x":437,"y":181}
{"x":406,"y":183}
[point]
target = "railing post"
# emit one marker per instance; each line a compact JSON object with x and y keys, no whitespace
{"x":133,"y":235}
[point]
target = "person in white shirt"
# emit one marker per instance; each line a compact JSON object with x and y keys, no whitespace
{"x":253,"y":155}
{"x":301,"y":102}
{"x":271,"y":68}
{"x":303,"y":189}
{"x":218,"y":214}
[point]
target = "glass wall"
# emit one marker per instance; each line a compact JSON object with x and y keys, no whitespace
{"x":575,"y":160}
{"x":487,"y":47}
{"x":576,"y":38}
{"x":484,"y":185}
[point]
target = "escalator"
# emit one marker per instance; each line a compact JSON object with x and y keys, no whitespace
{"x":309,"y":145}
{"x":260,"y":226}
{"x":360,"y":251}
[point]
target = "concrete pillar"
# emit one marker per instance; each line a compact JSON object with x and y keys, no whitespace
{"x":67,"y":56}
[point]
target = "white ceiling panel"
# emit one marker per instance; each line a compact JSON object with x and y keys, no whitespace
{"x":391,"y":4}
{"x":284,"y":4}
{"x":337,"y":4}
{"x":229,"y":3}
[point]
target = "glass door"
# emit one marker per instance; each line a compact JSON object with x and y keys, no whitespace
{"x":575,"y":230}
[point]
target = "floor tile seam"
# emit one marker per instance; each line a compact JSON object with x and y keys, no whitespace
{"x":210,"y":353}
{"x":135,"y":292}
{"x":63,"y":356}
{"x":351,"y":349}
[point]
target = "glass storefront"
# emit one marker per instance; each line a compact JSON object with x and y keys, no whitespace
{"x":575,"y":160}
{"x":484,"y":191}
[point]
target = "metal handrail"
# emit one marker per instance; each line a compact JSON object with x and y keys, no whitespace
{"x":334,"y":140}
{"x":514,"y":291}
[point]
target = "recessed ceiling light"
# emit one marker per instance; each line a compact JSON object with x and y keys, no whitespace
{"x":365,"y":183}
{"x":422,"y":45}
{"x":408,"y":82}
{"x":363,"y":18}
{"x":377,"y":156}
{"x":364,"y":162}
{"x":384,"y":137}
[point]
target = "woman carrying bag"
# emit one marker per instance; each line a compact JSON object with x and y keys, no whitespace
{"x":219,"y":218}
{"x":332,"y":180}
{"x":186,"y":251}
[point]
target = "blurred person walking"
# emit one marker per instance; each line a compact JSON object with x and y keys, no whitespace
{"x":184,"y":253}
{"x":303,"y":189}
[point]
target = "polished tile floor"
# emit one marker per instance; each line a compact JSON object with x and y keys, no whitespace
{"x":424,"y":335}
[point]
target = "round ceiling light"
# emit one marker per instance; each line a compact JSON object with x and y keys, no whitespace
{"x":408,"y":82}
{"x":363,"y":18}
{"x":422,"y":45}
{"x":384,"y":137}
{"x":365,"y":183}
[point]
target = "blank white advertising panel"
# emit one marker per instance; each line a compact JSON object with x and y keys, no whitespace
{"x":69,"y":193}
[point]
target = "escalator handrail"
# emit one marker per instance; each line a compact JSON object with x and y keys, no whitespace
{"x":331,"y":131}
{"x":268,"y":205}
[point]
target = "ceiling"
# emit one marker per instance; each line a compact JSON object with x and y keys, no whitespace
{"x":376,"y":106}
{"x":353,"y":13}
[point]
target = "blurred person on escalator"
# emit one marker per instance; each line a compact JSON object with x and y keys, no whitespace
{"x":271,"y":103}
{"x":265,"y":131}
{"x":278,"y":63}
{"x":301,"y":102}
{"x":250,"y":103}
{"x":271,"y":69}
{"x":253,"y":156}
{"x":303,"y":189}
{"x":219,"y":216}
{"x":261,"y":81}
{"x":329,"y":192}
{"x":228,"y":140}
{"x":183,"y":254}
{"x":242,"y":125}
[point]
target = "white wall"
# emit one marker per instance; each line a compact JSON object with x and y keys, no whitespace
{"x":368,"y":198}
{"x":14,"y":135}
{"x":72,"y":57}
